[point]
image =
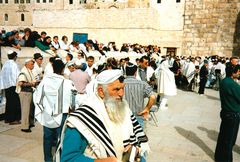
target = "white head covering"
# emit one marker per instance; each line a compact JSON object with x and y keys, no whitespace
{"x":28,"y":60}
{"x":78,"y":62}
{"x":108,"y":76}
{"x":10,"y":52}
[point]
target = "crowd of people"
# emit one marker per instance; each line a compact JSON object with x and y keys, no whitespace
{"x":29,"y":38}
{"x":95,"y":109}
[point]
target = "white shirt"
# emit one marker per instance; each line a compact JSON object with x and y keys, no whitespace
{"x":89,"y":70}
{"x":221,"y":67}
{"x":9,"y":74}
{"x":83,"y":48}
{"x":37,"y":71}
{"x":55,"y":45}
{"x":63,"y":45}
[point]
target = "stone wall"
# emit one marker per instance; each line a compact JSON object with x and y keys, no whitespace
{"x":209,"y":27}
{"x":120,"y":25}
{"x":145,"y":22}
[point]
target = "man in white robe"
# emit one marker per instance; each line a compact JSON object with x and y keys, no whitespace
{"x":53,"y":99}
{"x":166,"y":83}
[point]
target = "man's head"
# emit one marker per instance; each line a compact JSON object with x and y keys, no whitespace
{"x":234,"y":60}
{"x":205,"y":62}
{"x":48,"y":39}
{"x":131,"y":69}
{"x":236,"y":72}
{"x":112,"y":63}
{"x":111,"y":90}
{"x":12,"y":55}
{"x":9,"y":35}
{"x":58,"y":66}
{"x":64,"y":38}
{"x":55,"y":39}
{"x":29,"y":64}
{"x":233,"y":71}
{"x":43,"y":34}
{"x":27,"y":31}
{"x":38,"y":58}
{"x":143,"y":62}
{"x":127,"y":59}
{"x":71,"y":67}
{"x":16,"y":34}
{"x":137,"y":61}
{"x":90,"y":61}
{"x":69,"y":57}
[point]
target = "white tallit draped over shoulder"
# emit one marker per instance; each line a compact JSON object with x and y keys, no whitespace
{"x":52,"y":97}
{"x":165,"y":80}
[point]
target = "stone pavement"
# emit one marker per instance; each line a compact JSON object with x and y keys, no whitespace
{"x":186,"y":132}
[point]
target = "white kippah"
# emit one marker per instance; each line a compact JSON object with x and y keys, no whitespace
{"x":27,"y":60}
{"x":10,"y":52}
{"x":108,"y":76}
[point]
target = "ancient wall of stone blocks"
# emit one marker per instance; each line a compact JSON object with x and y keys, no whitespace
{"x":209,"y":27}
{"x":138,"y":25}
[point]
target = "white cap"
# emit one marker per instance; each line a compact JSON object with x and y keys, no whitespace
{"x":28,"y":60}
{"x":108,"y":76}
{"x":10,"y":52}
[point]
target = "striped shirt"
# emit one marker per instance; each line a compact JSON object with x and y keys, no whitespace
{"x":135,"y":92}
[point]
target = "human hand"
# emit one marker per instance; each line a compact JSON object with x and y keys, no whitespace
{"x":108,"y":159}
{"x":144,"y":113}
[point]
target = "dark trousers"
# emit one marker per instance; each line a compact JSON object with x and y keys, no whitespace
{"x":227,"y":136}
{"x":13,"y":106}
{"x":202,"y":85}
{"x":50,"y":137}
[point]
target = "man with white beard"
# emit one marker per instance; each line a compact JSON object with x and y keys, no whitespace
{"x":101,"y":130}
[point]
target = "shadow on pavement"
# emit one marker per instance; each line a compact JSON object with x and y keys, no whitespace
{"x":213,"y":135}
{"x":212,"y":97}
{"x":191,"y":136}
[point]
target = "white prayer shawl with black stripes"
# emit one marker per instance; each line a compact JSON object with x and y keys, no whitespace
{"x":104,"y":137}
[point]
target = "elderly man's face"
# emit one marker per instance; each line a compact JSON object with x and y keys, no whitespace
{"x":116,"y":90}
{"x":115,"y":104}
{"x":30,"y":65}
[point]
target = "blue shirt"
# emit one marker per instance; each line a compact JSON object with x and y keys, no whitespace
{"x":73,"y":148}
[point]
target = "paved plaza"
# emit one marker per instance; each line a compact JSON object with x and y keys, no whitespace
{"x":186,"y":132}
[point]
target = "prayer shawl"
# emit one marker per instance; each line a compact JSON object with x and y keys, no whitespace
{"x":25,"y":75}
{"x":165,"y":80}
{"x":48,"y":69}
{"x":189,"y":71}
{"x":52,"y":97}
{"x":149,"y":73}
{"x":9,"y":74}
{"x":37,"y":71}
{"x":93,"y":124}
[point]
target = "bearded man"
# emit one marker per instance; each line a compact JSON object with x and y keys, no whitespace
{"x":101,"y":130}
